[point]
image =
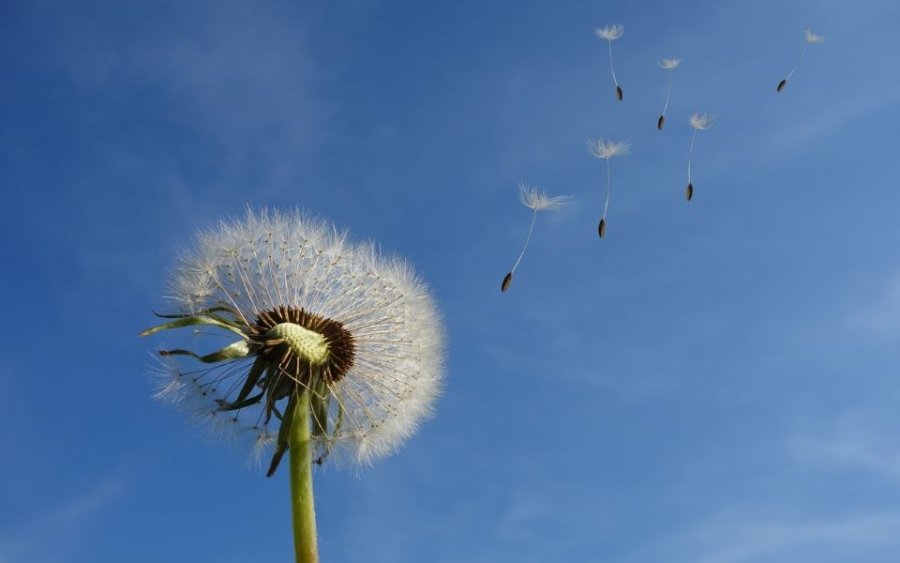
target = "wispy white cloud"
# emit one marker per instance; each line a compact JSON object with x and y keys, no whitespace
{"x":852,"y":443}
{"x":529,"y":508}
{"x":726,"y":539}
{"x":241,"y":75}
{"x":228,"y":93}
{"x":809,"y":132}
{"x":51,"y":533}
{"x":217,"y":106}
{"x":880,"y":315}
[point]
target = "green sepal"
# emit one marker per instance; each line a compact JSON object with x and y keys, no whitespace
{"x":284,"y":435}
{"x":234,"y":351}
{"x":267,"y":382}
{"x":233,"y":406}
{"x":339,"y":421}
{"x":196,"y":320}
{"x":256,"y":371}
{"x":209,"y":311}
{"x":319,"y":399}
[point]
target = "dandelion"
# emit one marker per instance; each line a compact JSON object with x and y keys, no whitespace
{"x":699,"y":122}
{"x":810,"y":38}
{"x":606,"y":150}
{"x":336,"y":349}
{"x":611,"y":33}
{"x":535,"y":200}
{"x":669,"y":65}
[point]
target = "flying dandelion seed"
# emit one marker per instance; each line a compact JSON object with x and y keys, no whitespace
{"x":535,"y":200}
{"x":611,"y":33}
{"x":810,"y":38}
{"x":606,"y":150}
{"x":669,"y":65}
{"x":338,"y":350}
{"x":699,"y":122}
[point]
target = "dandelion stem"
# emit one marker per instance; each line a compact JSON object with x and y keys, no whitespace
{"x":302,"y":502}
{"x":668,"y":94}
{"x":611,"y":69}
{"x":608,"y":189}
{"x":800,"y":60}
{"x":527,"y":239}
{"x":691,"y":154}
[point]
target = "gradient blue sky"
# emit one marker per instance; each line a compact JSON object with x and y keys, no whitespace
{"x":713,"y":382}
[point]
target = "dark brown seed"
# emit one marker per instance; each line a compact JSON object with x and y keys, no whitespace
{"x":601,"y":229}
{"x":662,"y":120}
{"x":619,"y":93}
{"x":689,"y":192}
{"x":781,"y":85}
{"x":507,"y":279}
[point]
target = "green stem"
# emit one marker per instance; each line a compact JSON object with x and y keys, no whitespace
{"x":302,"y":503}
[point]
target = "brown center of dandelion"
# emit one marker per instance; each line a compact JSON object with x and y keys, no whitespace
{"x":298,"y":342}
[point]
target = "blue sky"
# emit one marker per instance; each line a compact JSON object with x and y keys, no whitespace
{"x":714,"y":381}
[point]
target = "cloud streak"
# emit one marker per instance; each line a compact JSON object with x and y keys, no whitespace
{"x":855,"y":537}
{"x":880,"y":316}
{"x":852,"y":444}
{"x":65,"y":522}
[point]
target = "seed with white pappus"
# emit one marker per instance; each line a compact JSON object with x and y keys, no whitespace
{"x":669,"y":65}
{"x":699,"y":122}
{"x":535,"y":200}
{"x":606,"y":150}
{"x":610,"y":33}
{"x":810,"y":38}
{"x":507,"y":279}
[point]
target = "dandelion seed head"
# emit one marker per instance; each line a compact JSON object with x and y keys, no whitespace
{"x":702,"y":121}
{"x":811,"y":37}
{"x":608,"y":149}
{"x":263,"y":445}
{"x":533,"y":198}
{"x":669,"y":64}
{"x":353,"y":325}
{"x":610,"y":32}
{"x":167,"y":380}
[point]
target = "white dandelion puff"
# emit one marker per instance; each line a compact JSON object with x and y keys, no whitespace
{"x":810,"y":38}
{"x":702,"y":121}
{"x":337,"y":349}
{"x":534,"y":199}
{"x":168,"y":381}
{"x":607,"y":150}
{"x":263,"y":446}
{"x":699,"y":122}
{"x":381,"y":328}
{"x":669,"y":65}
{"x":610,"y":33}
